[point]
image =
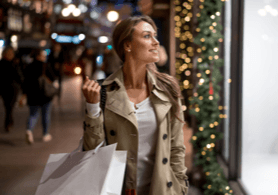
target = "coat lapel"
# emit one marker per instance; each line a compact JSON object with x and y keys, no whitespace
{"x":159,"y":99}
{"x":117,"y":100}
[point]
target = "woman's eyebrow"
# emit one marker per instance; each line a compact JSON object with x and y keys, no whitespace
{"x":150,"y":32}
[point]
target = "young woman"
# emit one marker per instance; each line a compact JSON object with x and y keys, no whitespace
{"x":142,"y":114}
{"x":35,"y":99}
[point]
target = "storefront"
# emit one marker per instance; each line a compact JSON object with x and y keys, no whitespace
{"x":25,"y":23}
{"x":250,"y":150}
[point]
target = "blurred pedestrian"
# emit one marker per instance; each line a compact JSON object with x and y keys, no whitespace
{"x":87,"y":62}
{"x":111,"y":62}
{"x":10,"y":84}
{"x":36,"y":100}
{"x":56,"y":60}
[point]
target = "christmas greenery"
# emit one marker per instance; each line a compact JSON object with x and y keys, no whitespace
{"x":204,"y":103}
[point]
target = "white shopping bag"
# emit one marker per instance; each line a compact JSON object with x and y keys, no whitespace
{"x":94,"y":172}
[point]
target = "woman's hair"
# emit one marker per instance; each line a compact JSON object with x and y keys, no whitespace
{"x":123,"y":33}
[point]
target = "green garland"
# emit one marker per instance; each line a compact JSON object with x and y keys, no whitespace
{"x":204,"y":103}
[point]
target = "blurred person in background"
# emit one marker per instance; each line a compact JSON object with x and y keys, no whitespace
{"x":56,"y":60}
{"x":36,"y":100}
{"x":87,"y":62}
{"x":10,"y":84}
{"x":111,"y":62}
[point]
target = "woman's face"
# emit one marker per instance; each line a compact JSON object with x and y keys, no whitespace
{"x":144,"y":45}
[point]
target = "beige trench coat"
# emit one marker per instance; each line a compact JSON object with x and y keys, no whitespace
{"x":169,"y":172}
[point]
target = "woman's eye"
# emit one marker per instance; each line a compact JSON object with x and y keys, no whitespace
{"x":147,"y":36}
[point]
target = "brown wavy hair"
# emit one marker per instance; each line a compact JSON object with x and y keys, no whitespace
{"x":123,"y":33}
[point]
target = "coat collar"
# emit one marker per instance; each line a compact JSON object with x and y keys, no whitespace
{"x":118,"y":78}
{"x":118,"y":100}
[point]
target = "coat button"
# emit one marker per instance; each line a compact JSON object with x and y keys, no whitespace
{"x":165,"y":136}
{"x":169,"y":184}
{"x":112,"y":132}
{"x":165,"y":160}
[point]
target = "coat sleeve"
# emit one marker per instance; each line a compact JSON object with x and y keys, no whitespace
{"x":178,"y":151}
{"x":93,"y":132}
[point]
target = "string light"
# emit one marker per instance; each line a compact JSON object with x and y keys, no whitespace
{"x":212,"y":136}
{"x":201,"y":128}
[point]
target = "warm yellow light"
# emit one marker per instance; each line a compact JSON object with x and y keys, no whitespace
{"x":182,"y":45}
{"x":187,"y":73}
{"x":200,"y":60}
{"x":202,"y":39}
{"x":207,"y":174}
{"x":184,"y":108}
{"x":220,"y":107}
{"x":189,"y":49}
{"x":210,"y":97}
{"x":214,"y":24}
{"x":194,"y":138}
{"x":201,"y":98}
{"x":207,"y":71}
{"x":227,"y":188}
{"x":187,"y":18}
{"x":197,"y":109}
{"x":77,"y":70}
{"x":216,"y":123}
{"x":178,"y":8}
{"x":186,"y":82}
{"x":185,"y":66}
{"x":198,"y":15}
{"x":210,"y":58}
{"x":201,"y":128}
{"x":212,"y":17}
{"x":218,"y":13}
{"x":198,"y":29}
{"x":204,"y":48}
{"x":229,"y":80}
{"x":177,"y":18}
{"x":220,"y":40}
{"x":203,"y":153}
{"x":209,"y":186}
{"x":211,"y":27}
{"x":201,"y":7}
{"x":199,"y":50}
{"x":187,"y":60}
{"x":199,"y":74}
{"x":216,"y":57}
{"x":212,"y":136}
{"x":211,"y":125}
{"x":212,"y":145}
{"x":184,"y":11}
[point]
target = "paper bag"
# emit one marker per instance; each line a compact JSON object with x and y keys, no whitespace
{"x":94,"y":172}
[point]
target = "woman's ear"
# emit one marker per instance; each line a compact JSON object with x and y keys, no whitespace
{"x":127,"y":46}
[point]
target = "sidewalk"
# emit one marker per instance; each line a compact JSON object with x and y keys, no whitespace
{"x":22,"y":165}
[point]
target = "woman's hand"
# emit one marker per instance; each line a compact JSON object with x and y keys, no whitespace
{"x":91,"y":91}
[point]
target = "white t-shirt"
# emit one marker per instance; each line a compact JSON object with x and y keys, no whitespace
{"x":147,"y":132}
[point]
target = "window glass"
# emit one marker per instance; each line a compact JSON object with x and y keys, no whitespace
{"x":260,"y":102}
{"x":227,"y":28}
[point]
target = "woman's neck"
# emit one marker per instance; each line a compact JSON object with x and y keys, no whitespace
{"x":135,"y":75}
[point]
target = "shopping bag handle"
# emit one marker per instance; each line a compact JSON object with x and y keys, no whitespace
{"x":79,"y":148}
